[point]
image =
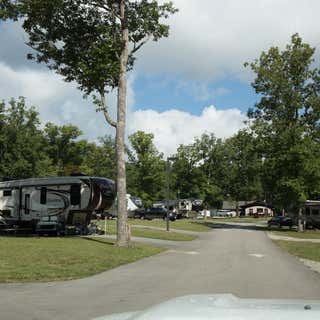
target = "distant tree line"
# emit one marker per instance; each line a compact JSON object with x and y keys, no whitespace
{"x":30,"y":149}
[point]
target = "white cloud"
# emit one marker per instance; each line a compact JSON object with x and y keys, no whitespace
{"x":210,"y":39}
{"x":173,"y":127}
{"x":56,"y":100}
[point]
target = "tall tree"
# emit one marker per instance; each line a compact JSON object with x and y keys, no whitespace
{"x":244,"y":167}
{"x":286,"y":120}
{"x":210,"y":153}
{"x":93,"y":43}
{"x":186,"y":172}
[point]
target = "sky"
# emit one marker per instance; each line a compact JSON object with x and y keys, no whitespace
{"x":185,"y":85}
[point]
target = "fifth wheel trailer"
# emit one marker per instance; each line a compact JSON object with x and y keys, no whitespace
{"x":44,"y":204}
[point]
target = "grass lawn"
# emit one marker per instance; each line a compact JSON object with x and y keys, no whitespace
{"x":148,"y":233}
{"x":180,"y":224}
{"x":306,"y":250}
{"x":51,"y":259}
{"x":244,"y":220}
{"x":308,"y":234}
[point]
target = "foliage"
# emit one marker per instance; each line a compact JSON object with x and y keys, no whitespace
{"x":100,"y":159}
{"x":244,"y":164}
{"x":82,"y":40}
{"x":27,"y":150}
{"x":21,"y":142}
{"x":286,"y":122}
{"x":213,"y":170}
{"x":146,"y":169}
{"x":61,"y":146}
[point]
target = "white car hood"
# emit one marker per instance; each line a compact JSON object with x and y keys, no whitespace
{"x":224,"y":307}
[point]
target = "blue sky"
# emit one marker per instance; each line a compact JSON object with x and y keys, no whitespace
{"x":164,"y":92}
{"x":192,"y":82}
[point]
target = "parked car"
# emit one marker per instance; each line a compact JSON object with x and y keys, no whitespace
{"x":280,"y":221}
{"x":156,"y":213}
{"x":226,"y":213}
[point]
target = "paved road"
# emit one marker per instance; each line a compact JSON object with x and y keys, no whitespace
{"x":231,"y":259}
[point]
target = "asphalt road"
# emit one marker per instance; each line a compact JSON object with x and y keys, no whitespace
{"x":230,"y":259}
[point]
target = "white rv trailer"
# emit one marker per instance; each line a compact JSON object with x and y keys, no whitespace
{"x":134,"y":204}
{"x":61,"y":200}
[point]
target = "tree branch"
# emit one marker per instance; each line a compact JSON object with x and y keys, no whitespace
{"x":105,"y":111}
{"x":137,"y":47}
{"x":106,"y":8}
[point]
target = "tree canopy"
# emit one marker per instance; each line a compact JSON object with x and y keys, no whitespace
{"x":81,"y":40}
{"x":286,"y":122}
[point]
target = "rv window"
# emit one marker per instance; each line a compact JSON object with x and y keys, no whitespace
{"x":75,"y":194}
{"x":315,"y":212}
{"x":307,"y":211}
{"x":7,"y":193}
{"x":43,"y":195}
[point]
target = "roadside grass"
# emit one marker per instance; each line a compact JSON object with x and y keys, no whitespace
{"x":305,"y":250}
{"x":148,"y":233}
{"x":308,"y":234}
{"x":180,"y":224}
{"x":244,"y":220}
{"x":56,"y":259}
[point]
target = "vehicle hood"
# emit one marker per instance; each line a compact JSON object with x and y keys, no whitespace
{"x":224,"y":307}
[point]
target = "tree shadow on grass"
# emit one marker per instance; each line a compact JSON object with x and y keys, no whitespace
{"x":99,"y":240}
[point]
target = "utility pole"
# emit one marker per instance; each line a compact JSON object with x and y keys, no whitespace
{"x":168,"y":188}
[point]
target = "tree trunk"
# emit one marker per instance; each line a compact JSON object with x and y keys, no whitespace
{"x":300,"y":221}
{"x":123,"y":236}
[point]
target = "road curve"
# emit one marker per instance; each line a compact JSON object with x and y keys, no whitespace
{"x":230,"y":259}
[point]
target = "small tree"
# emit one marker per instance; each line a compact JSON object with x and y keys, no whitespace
{"x":93,"y":43}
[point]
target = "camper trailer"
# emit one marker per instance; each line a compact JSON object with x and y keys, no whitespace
{"x":311,"y":210}
{"x":134,"y":206}
{"x":44,"y":204}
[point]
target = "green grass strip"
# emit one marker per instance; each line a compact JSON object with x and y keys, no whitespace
{"x":306,"y":250}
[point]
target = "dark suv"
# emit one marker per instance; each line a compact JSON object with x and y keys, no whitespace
{"x":280,"y":221}
{"x":156,"y":213}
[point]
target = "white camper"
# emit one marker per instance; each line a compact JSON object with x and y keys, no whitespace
{"x":134,"y":204}
{"x":46,"y":202}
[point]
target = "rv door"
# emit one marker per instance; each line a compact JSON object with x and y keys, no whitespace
{"x":26,"y":204}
